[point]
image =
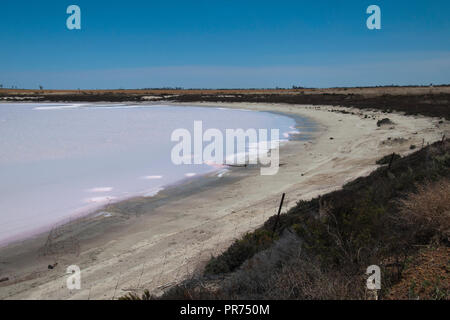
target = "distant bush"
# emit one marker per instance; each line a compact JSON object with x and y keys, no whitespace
{"x":384,"y":121}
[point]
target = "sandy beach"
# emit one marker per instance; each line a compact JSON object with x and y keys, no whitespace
{"x":153,"y":243}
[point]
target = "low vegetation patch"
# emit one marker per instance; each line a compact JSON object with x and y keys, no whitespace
{"x":239,"y":251}
{"x":426,"y":276}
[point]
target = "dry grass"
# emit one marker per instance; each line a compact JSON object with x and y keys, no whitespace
{"x":304,"y":280}
{"x":427,"y":211}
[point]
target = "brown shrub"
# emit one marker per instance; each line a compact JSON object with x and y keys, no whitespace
{"x":427,"y":212}
{"x":304,"y":279}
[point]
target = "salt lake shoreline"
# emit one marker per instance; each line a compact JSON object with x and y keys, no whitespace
{"x":169,"y":189}
{"x":154,"y":243}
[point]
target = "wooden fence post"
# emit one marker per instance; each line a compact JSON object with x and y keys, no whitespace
{"x":278,"y":215}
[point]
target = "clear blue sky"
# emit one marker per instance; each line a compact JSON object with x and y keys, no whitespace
{"x":223,"y":43}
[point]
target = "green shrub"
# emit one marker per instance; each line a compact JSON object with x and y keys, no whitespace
{"x":239,"y":251}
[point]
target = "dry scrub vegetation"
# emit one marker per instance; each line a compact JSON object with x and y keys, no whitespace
{"x":427,"y":212}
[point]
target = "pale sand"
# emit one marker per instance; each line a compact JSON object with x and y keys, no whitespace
{"x":167,"y":241}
